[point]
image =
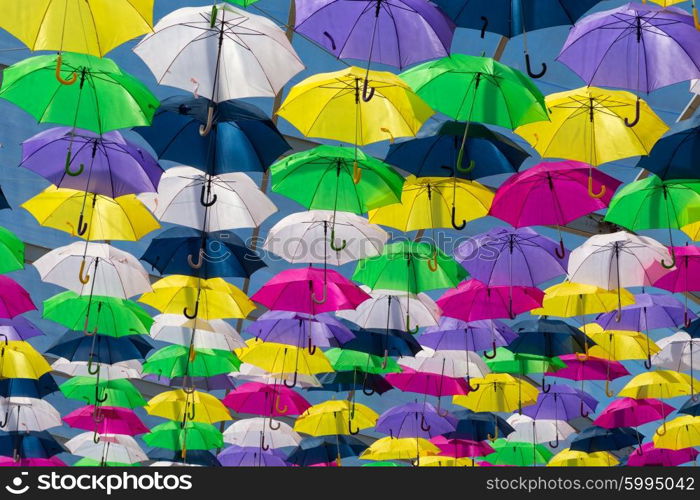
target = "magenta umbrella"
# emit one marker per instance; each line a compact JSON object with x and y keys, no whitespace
{"x":459,"y":448}
{"x":472,"y":300}
{"x":14,"y":299}
{"x":583,"y":367}
{"x":553,"y":194}
{"x":685,"y":277}
{"x":268,"y":400}
{"x":106,"y":420}
{"x":432,"y":384}
{"x":630,"y":412}
{"x":649,"y":456}
{"x":311,"y":291}
{"x":31,"y":462}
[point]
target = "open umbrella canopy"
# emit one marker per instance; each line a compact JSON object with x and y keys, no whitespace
{"x":569,"y":300}
{"x":574,"y":458}
{"x":26,"y":445}
{"x":188,"y":406}
{"x":652,"y":456}
{"x":325,"y":449}
{"x":298,"y":329}
{"x":180,"y":361}
{"x":452,"y":334}
{"x":388,"y":448}
{"x":630,"y":412}
{"x":596,"y":438}
{"x":21,"y":360}
{"x":268,"y":400}
{"x":473,"y":300}
{"x":335,"y":417}
{"x":117,"y":392}
{"x":498,"y":392}
{"x":671,"y":157}
{"x":14,"y":299}
{"x":98,"y":348}
{"x":518,"y":453}
{"x":284,"y":359}
{"x":191,"y":436}
{"x":106,"y":420}
{"x":661,"y":384}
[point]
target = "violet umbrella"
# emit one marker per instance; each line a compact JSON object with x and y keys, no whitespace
{"x":583,"y":367}
{"x":562,"y":402}
{"x":473,"y":300}
{"x":310,"y":290}
{"x":414,"y":420}
{"x":511,"y":257}
{"x":635,"y":47}
{"x":553,"y":194}
{"x":452,"y":334}
{"x":660,"y":457}
{"x":105,"y":164}
{"x":397,"y":32}
{"x":18,"y":328}
{"x":14,"y":299}
{"x":106,"y":420}
{"x":250,"y":456}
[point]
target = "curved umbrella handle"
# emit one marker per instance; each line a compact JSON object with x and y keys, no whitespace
{"x":200,"y":261}
{"x":331,"y":39}
{"x":460,"y":226}
{"x":324,"y":296}
{"x":186,"y":311}
{"x":263,"y":446}
{"x":332,"y":242}
{"x":350,"y":430}
{"x":555,"y":444}
{"x":7,"y":417}
{"x":82,"y":227}
{"x":95,"y":437}
{"x":609,"y":393}
{"x":472,"y":388}
{"x":495,"y":434}
{"x":636,"y":116}
{"x":98,"y":398}
{"x":583,"y":412}
{"x":440,"y":411}
{"x":597,"y":196}
{"x":98,"y":416}
{"x":484,"y":26}
{"x":280,"y":409}
{"x":686,"y":319}
{"x":492,"y":354}
{"x":272,"y":427}
{"x":187,"y":385}
{"x":84,"y":278}
{"x":410,"y":330}
{"x":647,"y":362}
{"x":356,"y":173}
{"x":311,"y":348}
{"x":192,"y":413}
{"x":367,"y":95}
{"x":365,"y":390}
{"x":90,"y":369}
{"x":561,"y":251}
{"x":71,"y":79}
{"x":664,"y":431}
{"x":425,"y":426}
{"x":67,"y":169}
{"x":294,"y":381}
{"x":672,"y":264}
{"x":213,"y":15}
{"x":528,"y":66}
{"x":546,"y":387}
{"x":206,"y":190}
{"x":4,"y":338}
{"x":206,"y":128}
{"x":433,"y":262}
{"x":460,"y":168}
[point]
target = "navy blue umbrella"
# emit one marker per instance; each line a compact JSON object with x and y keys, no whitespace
{"x":189,"y":251}
{"x":76,"y":346}
{"x":194,"y":457}
{"x":675,"y":156}
{"x":384,"y":342}
{"x":352,"y":380}
{"x":325,"y":449}
{"x":601,"y":439}
{"x":479,"y":426}
{"x":28,"y":387}
{"x":693,"y":329}
{"x":548,"y":337}
{"x":238,"y":126}
{"x":485,"y":152}
{"x":29,"y":445}
{"x":3,"y":201}
{"x":691,"y":407}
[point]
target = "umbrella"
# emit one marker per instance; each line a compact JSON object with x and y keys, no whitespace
{"x":388,"y":448}
{"x":441,"y":461}
{"x":21,"y":360}
{"x":691,"y":407}
{"x":28,"y":414}
{"x":414,"y":420}
{"x":189,"y":197}
{"x":97,"y":95}
{"x":498,"y":392}
{"x":31,"y":462}
{"x":267,"y":400}
{"x":397,"y":33}
{"x":200,"y":333}
{"x":11,"y":251}
{"x":454,"y":364}
{"x":586,"y":367}
{"x":353,"y":380}
{"x":649,"y":312}
{"x":629,"y":412}
{"x":335,"y":417}
{"x":410,"y":380}
{"x":595,"y":126}
{"x":236,"y":126}
{"x":677,"y":353}
{"x":660,"y":384}
{"x":538,"y":430}
{"x":684,"y":278}
{"x":452,"y":334}
{"x":506,"y":361}
{"x":620,"y":345}
{"x":103,"y":270}
{"x":435,"y":202}
{"x":99,"y":349}
{"x":670,"y":158}
{"x":193,"y":48}
{"x":44,"y":28}
{"x":18,"y":328}
{"x":257,"y":432}
{"x":299,"y":329}
{"x":37,"y":388}
{"x":191,"y":436}
{"x":573,"y":458}
{"x":562,"y":402}
{"x":23,"y":445}
{"x":14,"y":299}
{"x":622,"y":48}
{"x":184,"y":406}
{"x":235,"y":456}
{"x":302,"y":237}
{"x":568,"y":300}
{"x":518,"y":453}
{"x":434,"y":152}
{"x":650,"y":456}
{"x":91,"y":216}
{"x":479,"y":426}
{"x":180,"y":361}
{"x":548,"y":338}
{"x":458,"y":448}
{"x":596,"y":438}
{"x":216,"y":383}
{"x":347,"y":359}
{"x":325,"y":449}
{"x":473,"y":300}
{"x":383,"y":342}
{"x":119,"y":370}
{"x":105,"y":164}
{"x":105,"y":420}
{"x":110,"y":448}
{"x":191,"y":252}
{"x":355,"y":106}
{"x":171,"y":458}
{"x":103,"y":390}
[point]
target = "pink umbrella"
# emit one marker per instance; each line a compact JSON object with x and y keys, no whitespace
{"x":432,"y":384}
{"x":310,"y":290}
{"x":684,"y":278}
{"x":629,"y":412}
{"x":268,"y":400}
{"x":553,"y":193}
{"x":458,"y":448}
{"x":14,"y":299}
{"x":472,"y":300}
{"x":583,"y":367}
{"x":31,"y":462}
{"x":106,"y":420}
{"x":648,"y":456}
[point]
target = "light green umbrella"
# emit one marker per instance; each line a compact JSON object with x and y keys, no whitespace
{"x":518,"y":453}
{"x":180,"y":361}
{"x":11,"y":252}
{"x":192,"y":436}
{"x":522,"y":364}
{"x":242,"y":3}
{"x":117,"y":392}
{"x":348,"y":360}
{"x":91,"y":462}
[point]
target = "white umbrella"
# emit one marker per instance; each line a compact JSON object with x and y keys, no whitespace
{"x":252,"y":373}
{"x":386,"y":309}
{"x":165,"y":463}
{"x":220,"y":53}
{"x":27,"y":414}
{"x":208,"y":334}
{"x":248,"y":432}
{"x":319,"y":236}
{"x":123,"y":369}
{"x":94,"y":269}
{"x":679,"y":352}
{"x":455,"y":364}
{"x":527,"y":429}
{"x":110,"y":448}
{"x":189,"y":197}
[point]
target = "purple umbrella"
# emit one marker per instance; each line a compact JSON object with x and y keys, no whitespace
{"x":635,"y":47}
{"x":650,"y":311}
{"x":452,"y":334}
{"x":300,"y":329}
{"x":18,"y":328}
{"x":419,"y":420}
{"x":250,"y":456}
{"x":511,"y":257}
{"x":394,"y":32}
{"x":104,"y":164}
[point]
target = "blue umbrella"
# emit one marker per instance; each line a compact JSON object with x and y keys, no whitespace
{"x":479,"y":426}
{"x":384,"y":342}
{"x":193,"y":457}
{"x":325,"y":449}
{"x":189,"y":251}
{"x":485,"y":152}
{"x":693,"y":329}
{"x":28,"y":387}
{"x":238,"y":126}
{"x":352,"y":380}
{"x":601,"y":439}
{"x":29,"y":445}
{"x":675,"y":155}
{"x":549,"y":338}
{"x":3,"y":201}
{"x":691,"y":407}
{"x":75,"y":346}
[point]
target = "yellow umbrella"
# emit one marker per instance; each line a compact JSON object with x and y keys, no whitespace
{"x":335,"y":417}
{"x":184,"y":406}
{"x":194,"y":297}
{"x":590,"y":124}
{"x":659,"y":384}
{"x":346,"y":107}
{"x":388,"y":448}
{"x":498,"y":392}
{"x":442,"y":461}
{"x":91,"y":216}
{"x":679,"y":433}
{"x":573,"y":458}
{"x":569,"y":299}
{"x":18,"y":359}
{"x":435,"y":202}
{"x":692,"y":230}
{"x":619,"y":345}
{"x":87,"y":26}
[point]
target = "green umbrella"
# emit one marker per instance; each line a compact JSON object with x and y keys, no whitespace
{"x":522,"y":364}
{"x":191,"y":436}
{"x":97,"y":314}
{"x":181,"y":361}
{"x":517,"y":453}
{"x":478,"y":89}
{"x":100,"y":98}
{"x":91,"y":462}
{"x":242,"y":3}
{"x":409,"y":266}
{"x":384,"y":463}
{"x":11,"y":252}
{"x":348,"y":360}
{"x":117,"y":392}
{"x":325,"y":178}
